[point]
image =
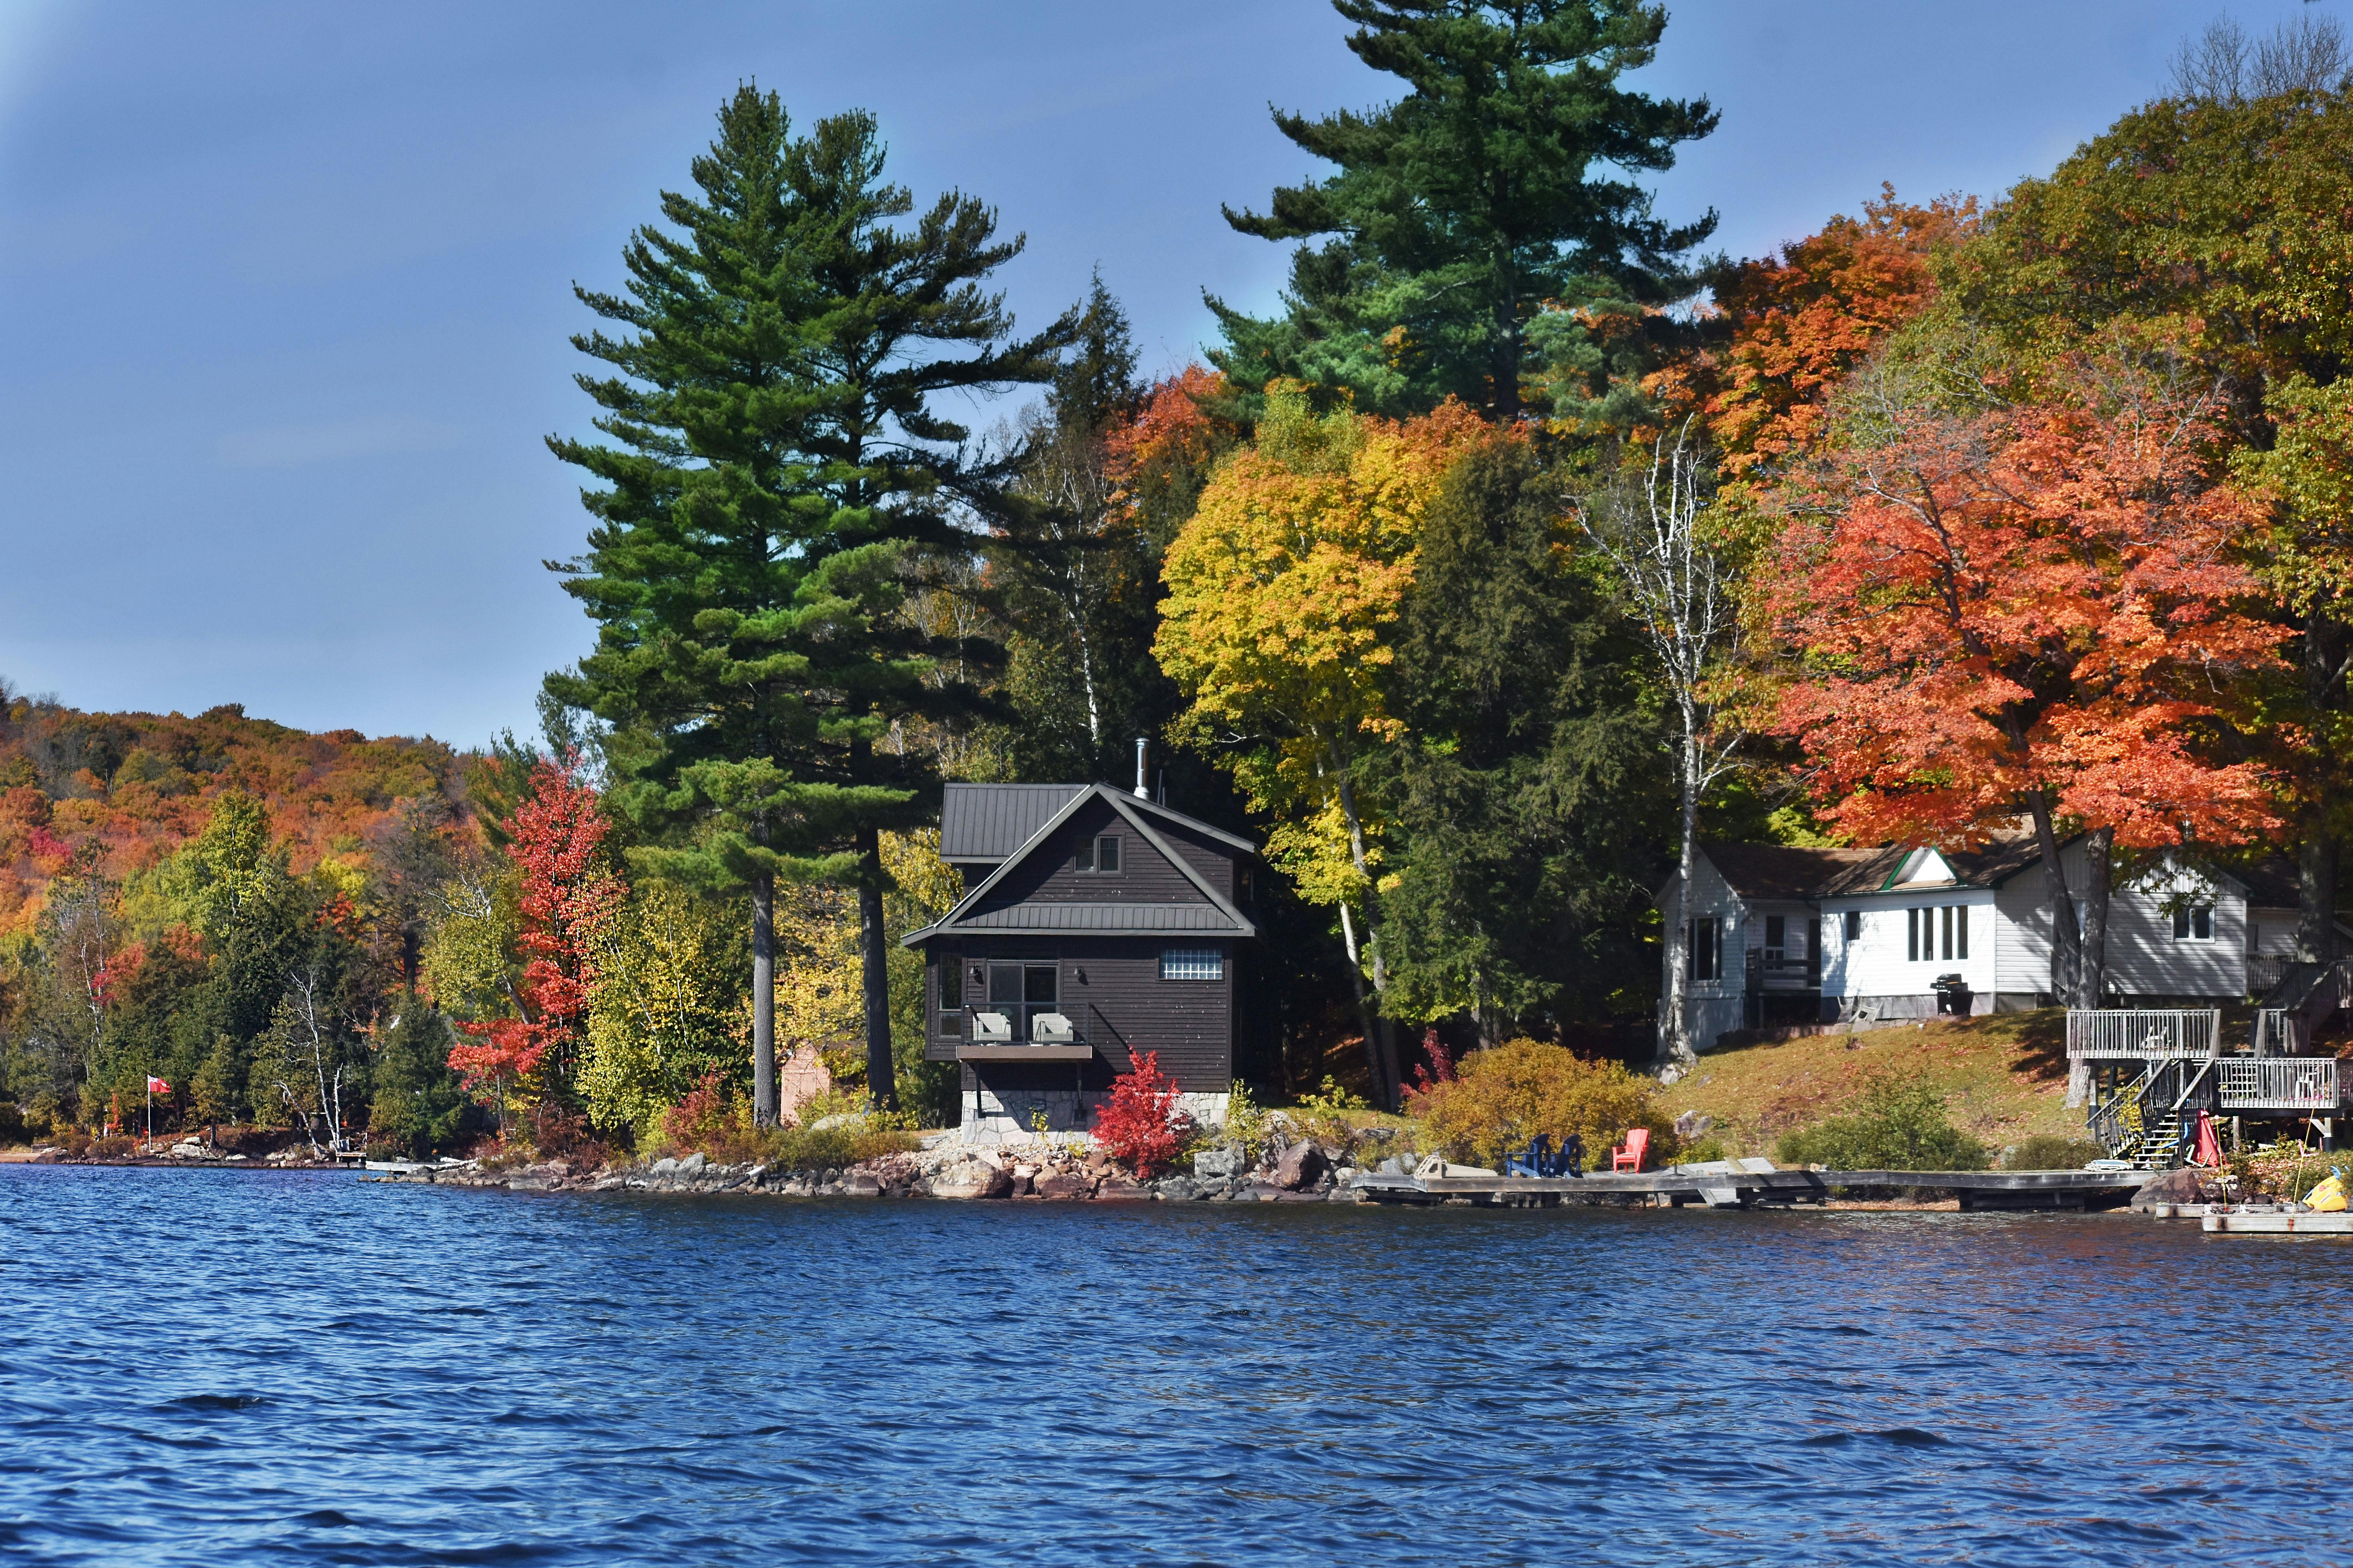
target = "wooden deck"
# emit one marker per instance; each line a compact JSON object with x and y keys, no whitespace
{"x":1719,"y":1187}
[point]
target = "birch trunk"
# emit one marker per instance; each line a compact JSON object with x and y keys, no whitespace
{"x":2092,"y":963}
{"x":1675,"y":1009}
{"x":1379,"y":1037}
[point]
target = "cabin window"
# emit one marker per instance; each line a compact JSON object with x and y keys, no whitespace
{"x":1777,"y":935}
{"x":1956,"y":931}
{"x":1099,"y":853}
{"x":1707,"y":948}
{"x":952,"y":998}
{"x":1192,"y":963}
{"x":1854,"y":925}
{"x":2194,"y":922}
{"x":1912,"y":935}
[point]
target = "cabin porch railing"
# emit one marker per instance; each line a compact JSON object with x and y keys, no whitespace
{"x":2144,"y":1032}
{"x":2289,"y":1083}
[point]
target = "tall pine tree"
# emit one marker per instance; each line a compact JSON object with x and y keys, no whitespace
{"x":1472,"y":233}
{"x":775,"y":477}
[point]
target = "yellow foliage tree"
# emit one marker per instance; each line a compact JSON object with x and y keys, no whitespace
{"x":1283,"y":590}
{"x":670,"y":1003}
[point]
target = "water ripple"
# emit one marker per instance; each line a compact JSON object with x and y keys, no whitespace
{"x":258,"y":1368}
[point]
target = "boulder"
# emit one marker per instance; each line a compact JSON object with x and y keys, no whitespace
{"x":1211,"y":1163}
{"x":1118,"y":1186}
{"x":664,"y":1167}
{"x":1065,"y":1184}
{"x":693,"y":1165}
{"x":1179,"y":1189}
{"x":971,"y":1180}
{"x":861,"y":1185}
{"x":1302,"y":1166}
{"x":1690,"y":1124}
{"x":2183,"y":1186}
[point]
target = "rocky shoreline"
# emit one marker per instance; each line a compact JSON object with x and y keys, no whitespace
{"x":1304,"y":1173}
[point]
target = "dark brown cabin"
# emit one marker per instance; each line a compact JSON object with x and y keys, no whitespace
{"x":1096,"y":925}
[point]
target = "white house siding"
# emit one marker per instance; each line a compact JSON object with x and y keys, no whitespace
{"x":1713,"y":1007}
{"x":2023,"y":912}
{"x":1872,"y":971}
{"x":2271,"y":933}
{"x":2146,"y":960}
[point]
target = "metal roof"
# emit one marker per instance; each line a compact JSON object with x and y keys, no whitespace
{"x":973,"y":909}
{"x":990,"y":821}
{"x":1076,"y":915}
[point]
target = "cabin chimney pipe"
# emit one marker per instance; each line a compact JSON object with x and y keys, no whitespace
{"x":1140,"y":790}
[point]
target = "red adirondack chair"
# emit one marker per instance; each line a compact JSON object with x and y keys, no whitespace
{"x":1628,"y":1156}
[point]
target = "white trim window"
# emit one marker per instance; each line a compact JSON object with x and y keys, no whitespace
{"x":1192,"y":963}
{"x":1706,"y":948}
{"x":2193,"y":922}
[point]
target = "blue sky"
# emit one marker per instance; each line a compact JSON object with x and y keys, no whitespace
{"x":285,"y":289}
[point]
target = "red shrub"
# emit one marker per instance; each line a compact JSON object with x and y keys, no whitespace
{"x":1140,"y":1124}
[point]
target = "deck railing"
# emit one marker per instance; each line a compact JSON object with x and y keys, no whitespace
{"x":2278,"y":1031}
{"x":2143,"y":1032}
{"x":2264,"y":971}
{"x":2288,"y":1083}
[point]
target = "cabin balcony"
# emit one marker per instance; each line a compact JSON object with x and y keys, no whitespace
{"x":1769,"y":971}
{"x":1015,"y":1033}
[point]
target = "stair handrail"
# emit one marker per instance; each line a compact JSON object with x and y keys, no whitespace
{"x":2110,"y":1118}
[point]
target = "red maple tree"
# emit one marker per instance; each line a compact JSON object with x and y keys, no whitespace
{"x":567,"y":896}
{"x":1140,"y":1124}
{"x":2033,"y":612}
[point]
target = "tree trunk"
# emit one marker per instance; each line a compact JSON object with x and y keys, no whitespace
{"x":2316,"y":859}
{"x":1377,"y":1025}
{"x":764,"y":999}
{"x":1377,"y":1058}
{"x":1674,"y":1008}
{"x":2066,"y":941}
{"x":2316,"y":895}
{"x":2092,"y":963}
{"x":874,"y":954}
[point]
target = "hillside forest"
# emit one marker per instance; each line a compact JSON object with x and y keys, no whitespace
{"x":1524,"y":543}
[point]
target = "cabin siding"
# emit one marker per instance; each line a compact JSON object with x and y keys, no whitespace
{"x":1874,"y":965}
{"x":1050,"y":874}
{"x":1109,"y":987}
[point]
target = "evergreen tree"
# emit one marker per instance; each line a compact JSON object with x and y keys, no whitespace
{"x":1079,"y":575}
{"x":1474,"y":204}
{"x":1530,"y":796}
{"x":774,"y":477}
{"x":418,"y":1107}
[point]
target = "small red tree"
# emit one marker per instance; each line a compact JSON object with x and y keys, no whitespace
{"x":2035,"y":612}
{"x":1140,"y":1124}
{"x":567,"y":896}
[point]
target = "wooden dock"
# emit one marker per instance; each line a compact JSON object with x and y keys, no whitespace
{"x":2280,"y":1224}
{"x":1751,"y":1184}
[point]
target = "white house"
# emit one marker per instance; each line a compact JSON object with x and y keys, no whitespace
{"x":1790,"y":936}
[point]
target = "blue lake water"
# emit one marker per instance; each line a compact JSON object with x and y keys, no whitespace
{"x":230,"y":1368}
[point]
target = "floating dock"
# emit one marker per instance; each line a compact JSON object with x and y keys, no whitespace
{"x":1751,"y":1184}
{"x":2279,"y":1224}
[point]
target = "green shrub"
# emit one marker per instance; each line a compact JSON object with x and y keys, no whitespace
{"x":1900,"y":1127}
{"x":2049,"y":1152}
{"x":1502,"y":1097}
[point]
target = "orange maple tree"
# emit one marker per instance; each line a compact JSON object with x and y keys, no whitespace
{"x":1803,"y":319}
{"x":2031,"y":612}
{"x":567,"y":898}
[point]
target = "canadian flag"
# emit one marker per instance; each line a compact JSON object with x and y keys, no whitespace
{"x":157,"y":1086}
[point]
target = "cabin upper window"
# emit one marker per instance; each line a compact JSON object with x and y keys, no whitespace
{"x":1099,"y":853}
{"x":2194,"y":922}
{"x":1192,"y":963}
{"x":1854,"y":925}
{"x":1707,"y":948}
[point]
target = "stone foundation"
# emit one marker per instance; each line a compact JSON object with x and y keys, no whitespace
{"x":991,"y":1116}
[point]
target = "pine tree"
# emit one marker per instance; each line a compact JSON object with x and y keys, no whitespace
{"x":774,"y":477}
{"x":1471,"y":206}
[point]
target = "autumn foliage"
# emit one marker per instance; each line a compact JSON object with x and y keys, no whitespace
{"x":1140,"y":1125}
{"x":567,"y":898}
{"x":1804,"y":320}
{"x":2038,"y":603}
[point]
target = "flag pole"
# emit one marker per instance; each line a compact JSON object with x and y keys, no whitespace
{"x":151,"y":1108}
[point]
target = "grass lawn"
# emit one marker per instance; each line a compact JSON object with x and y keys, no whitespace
{"x":2004,"y":1079}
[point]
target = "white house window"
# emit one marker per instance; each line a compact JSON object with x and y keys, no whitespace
{"x":1192,"y":963}
{"x":2194,"y":922}
{"x":1854,"y":925}
{"x":1707,"y":948}
{"x":1099,"y":853}
{"x":1914,"y":920}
